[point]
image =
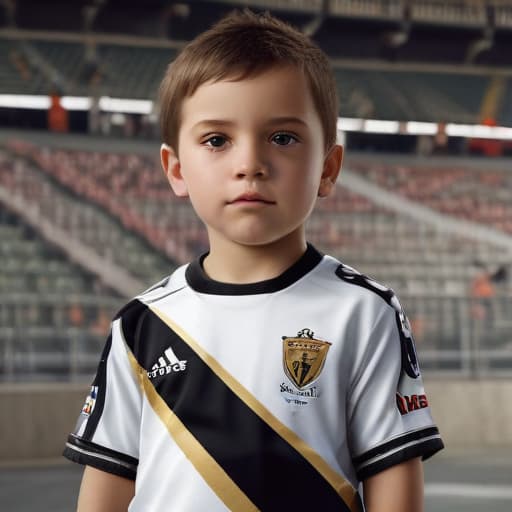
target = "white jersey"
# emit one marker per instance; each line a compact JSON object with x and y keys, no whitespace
{"x":277,"y":395}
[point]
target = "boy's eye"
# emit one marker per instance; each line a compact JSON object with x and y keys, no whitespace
{"x":283,"y":139}
{"x":217,"y":141}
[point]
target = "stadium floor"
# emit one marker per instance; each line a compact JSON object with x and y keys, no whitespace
{"x":455,"y":482}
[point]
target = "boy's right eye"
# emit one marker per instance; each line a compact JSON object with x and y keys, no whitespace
{"x":216,"y":141}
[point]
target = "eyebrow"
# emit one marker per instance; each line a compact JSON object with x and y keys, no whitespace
{"x":271,"y":122}
{"x":288,"y":119}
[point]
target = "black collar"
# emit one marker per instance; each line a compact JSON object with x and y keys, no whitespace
{"x":200,"y":282}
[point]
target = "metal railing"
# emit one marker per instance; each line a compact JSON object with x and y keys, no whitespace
{"x":462,"y":336}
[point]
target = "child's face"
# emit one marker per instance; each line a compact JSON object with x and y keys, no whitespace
{"x":252,"y":157}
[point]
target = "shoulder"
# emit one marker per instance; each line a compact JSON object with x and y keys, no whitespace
{"x":376,"y":306}
{"x":130,"y":315}
{"x":366,"y":284}
{"x":170,"y":284}
{"x":350,"y":283}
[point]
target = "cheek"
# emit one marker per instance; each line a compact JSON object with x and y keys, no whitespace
{"x":203,"y":186}
{"x":304,"y":174}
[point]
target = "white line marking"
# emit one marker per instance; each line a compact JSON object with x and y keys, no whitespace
{"x":497,"y":492}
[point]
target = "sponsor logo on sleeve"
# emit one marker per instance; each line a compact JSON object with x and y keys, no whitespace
{"x":90,"y":401}
{"x":410,"y":403}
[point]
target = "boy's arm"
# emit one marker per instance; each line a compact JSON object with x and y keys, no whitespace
{"x":104,"y":492}
{"x":397,"y":489}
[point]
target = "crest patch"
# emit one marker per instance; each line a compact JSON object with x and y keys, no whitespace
{"x":304,"y":358}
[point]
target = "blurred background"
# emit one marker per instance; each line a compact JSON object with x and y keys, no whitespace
{"x":424,"y":205}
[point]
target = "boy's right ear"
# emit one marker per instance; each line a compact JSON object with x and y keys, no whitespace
{"x":172,"y":169}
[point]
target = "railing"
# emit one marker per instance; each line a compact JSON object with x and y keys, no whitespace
{"x":455,"y":336}
{"x":30,"y":354}
{"x":53,"y":337}
{"x":466,"y":337}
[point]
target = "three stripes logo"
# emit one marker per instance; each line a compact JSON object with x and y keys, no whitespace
{"x":167,"y":363}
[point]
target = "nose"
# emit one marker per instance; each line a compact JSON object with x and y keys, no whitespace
{"x":251,"y":162}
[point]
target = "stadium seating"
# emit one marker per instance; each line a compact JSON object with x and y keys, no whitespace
{"x":16,"y":73}
{"x":458,"y":12}
{"x":66,"y":59}
{"x":84,"y":222}
{"x":133,"y":72}
{"x":408,"y":256}
{"x":477,"y":194}
{"x":54,"y":317}
{"x":407,"y":95}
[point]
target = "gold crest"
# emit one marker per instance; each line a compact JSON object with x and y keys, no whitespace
{"x":304,"y":357}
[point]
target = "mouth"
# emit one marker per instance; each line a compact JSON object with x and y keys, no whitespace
{"x":251,"y":198}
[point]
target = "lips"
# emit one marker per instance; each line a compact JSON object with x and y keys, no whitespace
{"x":251,"y":197}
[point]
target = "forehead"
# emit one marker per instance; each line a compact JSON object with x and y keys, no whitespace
{"x":277,"y":92}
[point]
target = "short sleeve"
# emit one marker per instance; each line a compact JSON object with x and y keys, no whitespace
{"x":107,"y":431}
{"x":389,"y":418}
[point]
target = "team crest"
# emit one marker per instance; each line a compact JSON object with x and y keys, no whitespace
{"x":304,"y":357}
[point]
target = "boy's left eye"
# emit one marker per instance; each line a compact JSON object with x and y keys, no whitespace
{"x":283,"y":139}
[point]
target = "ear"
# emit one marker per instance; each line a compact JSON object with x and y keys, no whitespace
{"x":172,"y":170}
{"x":332,"y":167}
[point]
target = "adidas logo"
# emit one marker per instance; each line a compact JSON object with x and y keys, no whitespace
{"x":167,"y":363}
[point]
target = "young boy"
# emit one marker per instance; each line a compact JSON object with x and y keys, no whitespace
{"x":264,"y":375}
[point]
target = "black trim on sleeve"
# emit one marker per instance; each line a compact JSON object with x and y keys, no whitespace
{"x":395,"y":443}
{"x":424,"y":449}
{"x":408,"y":349}
{"x":91,"y":454}
{"x":101,"y":381}
{"x":422,"y":443}
{"x":200,"y":282}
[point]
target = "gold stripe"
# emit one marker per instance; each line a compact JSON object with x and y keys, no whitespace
{"x":218,"y":480}
{"x":340,"y":485}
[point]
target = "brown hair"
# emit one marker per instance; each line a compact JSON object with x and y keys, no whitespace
{"x":245,"y":44}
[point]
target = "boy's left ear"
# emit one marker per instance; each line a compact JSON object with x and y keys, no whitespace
{"x":332,"y":168}
{"x":172,"y":169}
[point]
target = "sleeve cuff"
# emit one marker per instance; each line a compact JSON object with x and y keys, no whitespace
{"x":419,"y":443}
{"x":88,"y":453}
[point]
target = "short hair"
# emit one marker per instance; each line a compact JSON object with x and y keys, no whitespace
{"x":241,"y":45}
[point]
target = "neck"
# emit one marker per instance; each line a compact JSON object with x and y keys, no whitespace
{"x":242,"y":264}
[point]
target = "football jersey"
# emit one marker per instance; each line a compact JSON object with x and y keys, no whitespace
{"x":278,"y":395}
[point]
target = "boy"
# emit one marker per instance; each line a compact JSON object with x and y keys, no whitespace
{"x":264,"y":375}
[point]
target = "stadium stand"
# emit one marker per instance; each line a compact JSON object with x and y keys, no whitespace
{"x":478,"y":194}
{"x":133,"y":190}
{"x":134,"y":72}
{"x":16,"y":73}
{"x":53,"y":310}
{"x":396,"y":60}
{"x":80,"y":221}
{"x":53,"y":315}
{"x":459,"y":12}
{"x":405,"y":95}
